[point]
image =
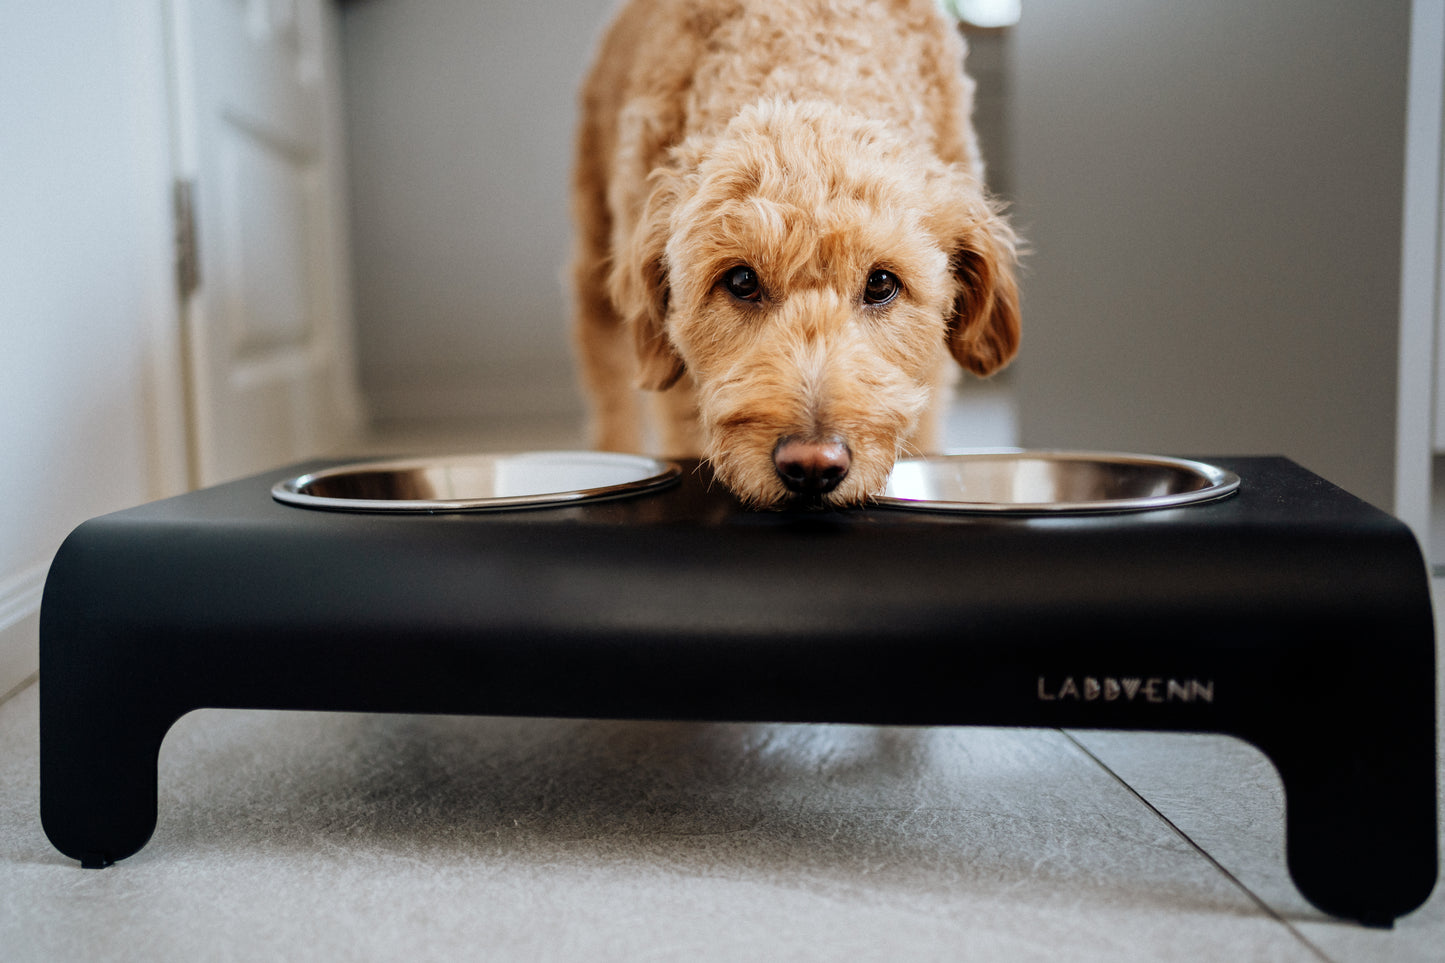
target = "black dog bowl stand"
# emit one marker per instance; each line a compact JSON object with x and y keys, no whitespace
{"x":1291,"y":615}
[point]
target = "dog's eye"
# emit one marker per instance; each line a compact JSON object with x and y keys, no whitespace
{"x":881,"y":288}
{"x":742,"y":283}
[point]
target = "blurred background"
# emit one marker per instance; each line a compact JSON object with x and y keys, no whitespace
{"x":240,"y":233}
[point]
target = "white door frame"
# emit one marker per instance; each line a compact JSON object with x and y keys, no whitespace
{"x":1421,"y":274}
{"x":256,"y":391}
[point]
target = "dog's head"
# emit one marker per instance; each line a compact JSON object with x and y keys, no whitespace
{"x":809,"y":270}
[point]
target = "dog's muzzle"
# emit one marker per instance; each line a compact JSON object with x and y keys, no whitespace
{"x":812,"y":466}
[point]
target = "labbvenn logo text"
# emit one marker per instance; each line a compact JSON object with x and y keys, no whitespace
{"x":1107,"y":688}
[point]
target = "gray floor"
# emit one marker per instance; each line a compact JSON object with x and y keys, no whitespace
{"x":288,"y":835}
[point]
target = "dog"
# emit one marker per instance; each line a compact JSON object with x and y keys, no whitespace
{"x":783,"y":235}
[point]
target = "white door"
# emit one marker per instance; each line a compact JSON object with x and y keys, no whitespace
{"x":267,"y":319}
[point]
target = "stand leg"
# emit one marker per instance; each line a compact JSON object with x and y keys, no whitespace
{"x":97,"y":776}
{"x":102,"y":721}
{"x":1358,"y":769}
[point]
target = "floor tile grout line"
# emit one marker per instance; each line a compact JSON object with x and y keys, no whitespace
{"x":1255,"y":897}
{"x":20,"y":687}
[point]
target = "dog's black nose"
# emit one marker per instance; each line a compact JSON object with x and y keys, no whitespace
{"x":811,"y":467}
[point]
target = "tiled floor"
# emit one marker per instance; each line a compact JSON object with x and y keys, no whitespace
{"x":287,"y":835}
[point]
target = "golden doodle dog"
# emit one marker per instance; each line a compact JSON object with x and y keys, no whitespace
{"x":783,"y":233}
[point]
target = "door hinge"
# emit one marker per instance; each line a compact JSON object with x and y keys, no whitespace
{"x":188,"y":259}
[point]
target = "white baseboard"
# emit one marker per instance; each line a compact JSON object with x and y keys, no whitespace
{"x":20,"y":626}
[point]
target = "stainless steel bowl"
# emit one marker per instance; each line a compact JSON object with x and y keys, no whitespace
{"x":478,"y":483}
{"x":1052,"y":482}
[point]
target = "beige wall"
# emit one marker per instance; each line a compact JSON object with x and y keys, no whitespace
{"x":460,"y":118}
{"x":1213,"y":192}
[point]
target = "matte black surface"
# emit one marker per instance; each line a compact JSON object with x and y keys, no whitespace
{"x":1291,"y":614}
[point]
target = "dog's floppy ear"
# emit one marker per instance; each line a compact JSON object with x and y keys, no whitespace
{"x":983,"y":326}
{"x":639,"y":286}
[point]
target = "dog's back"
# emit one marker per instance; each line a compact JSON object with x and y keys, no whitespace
{"x":667,"y":69}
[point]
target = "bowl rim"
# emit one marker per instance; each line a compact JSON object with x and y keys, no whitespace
{"x":1217,"y":483}
{"x":654,"y":473}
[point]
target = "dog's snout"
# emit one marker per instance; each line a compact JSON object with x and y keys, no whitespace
{"x":811,"y":467}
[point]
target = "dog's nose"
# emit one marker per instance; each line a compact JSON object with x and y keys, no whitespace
{"x":811,"y":467}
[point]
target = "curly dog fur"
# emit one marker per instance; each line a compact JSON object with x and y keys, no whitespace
{"x":783,"y":234}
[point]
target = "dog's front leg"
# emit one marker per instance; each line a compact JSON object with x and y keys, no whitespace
{"x":605,"y":356}
{"x":674,"y":412}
